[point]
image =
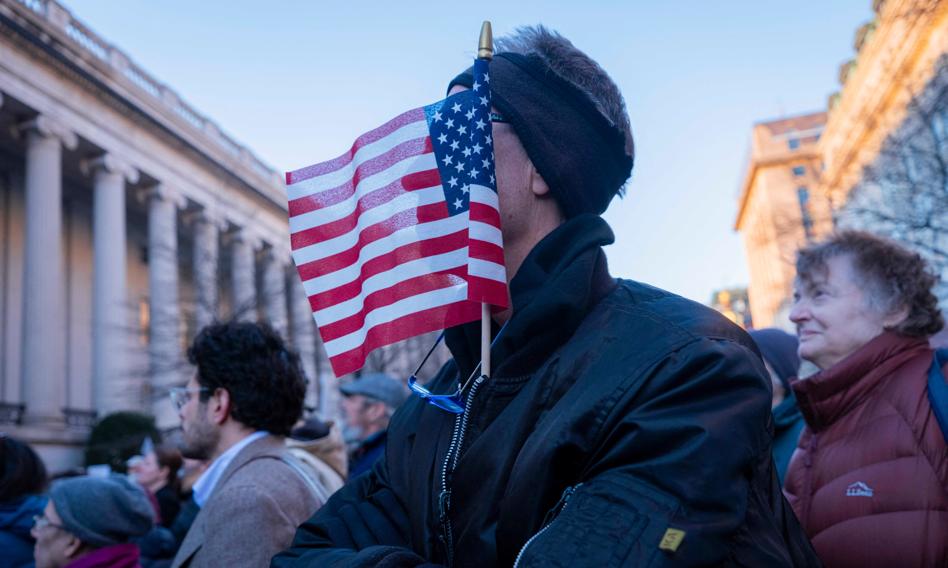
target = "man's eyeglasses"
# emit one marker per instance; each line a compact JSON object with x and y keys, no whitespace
{"x":41,"y":522}
{"x":453,"y":402}
{"x":180,"y":396}
{"x":499,"y":118}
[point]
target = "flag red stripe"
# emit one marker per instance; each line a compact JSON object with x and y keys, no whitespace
{"x":378,"y":265}
{"x":389,"y":127}
{"x":381,"y":196}
{"x":484,"y":250}
{"x":392,"y":294}
{"x":487,"y":291}
{"x":332,"y":196}
{"x":433,"y":319}
{"x":485,"y":214}
{"x":409,"y":217}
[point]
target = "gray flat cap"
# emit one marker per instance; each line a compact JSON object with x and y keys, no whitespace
{"x":379,"y":386}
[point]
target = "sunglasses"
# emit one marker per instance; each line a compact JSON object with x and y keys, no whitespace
{"x":453,"y":403}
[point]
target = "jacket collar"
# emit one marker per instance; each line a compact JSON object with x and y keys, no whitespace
{"x":267,"y":446}
{"x":829,"y":394}
{"x":558,"y":283}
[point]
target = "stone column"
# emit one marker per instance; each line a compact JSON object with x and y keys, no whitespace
{"x":274,"y":289}
{"x":206,"y":239}
{"x":243,"y":277}
{"x":111,"y":388}
{"x":164,"y":346}
{"x":302,"y":329}
{"x":44,"y":339}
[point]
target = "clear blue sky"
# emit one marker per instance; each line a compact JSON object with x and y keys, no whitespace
{"x":297,"y":81}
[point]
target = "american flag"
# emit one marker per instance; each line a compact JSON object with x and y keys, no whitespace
{"x":401,"y":235}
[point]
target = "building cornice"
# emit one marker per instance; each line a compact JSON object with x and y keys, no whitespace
{"x":781,"y":159}
{"x":51,"y":32}
{"x":890,"y":67}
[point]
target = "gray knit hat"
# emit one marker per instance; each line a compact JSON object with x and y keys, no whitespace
{"x":102,"y":511}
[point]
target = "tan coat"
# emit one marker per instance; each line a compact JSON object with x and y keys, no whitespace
{"x":253,"y":511}
{"x":326,"y":457}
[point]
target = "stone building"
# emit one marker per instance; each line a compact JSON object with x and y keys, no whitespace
{"x":879,"y":161}
{"x":885,"y":145}
{"x":779,"y":209}
{"x":128,"y":220}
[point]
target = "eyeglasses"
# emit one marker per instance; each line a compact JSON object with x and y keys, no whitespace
{"x":41,"y":522}
{"x":499,"y":118}
{"x":180,"y":396}
{"x":452,"y":403}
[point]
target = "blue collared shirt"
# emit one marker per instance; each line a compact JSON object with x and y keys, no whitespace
{"x":205,"y":484}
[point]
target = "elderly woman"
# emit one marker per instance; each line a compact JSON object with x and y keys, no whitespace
{"x":869,"y":478}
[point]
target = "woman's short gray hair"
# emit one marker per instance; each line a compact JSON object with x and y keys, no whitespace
{"x":894,"y":277}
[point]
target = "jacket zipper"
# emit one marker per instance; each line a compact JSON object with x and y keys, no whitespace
{"x":551,"y":516}
{"x":808,"y":469}
{"x":447,"y":469}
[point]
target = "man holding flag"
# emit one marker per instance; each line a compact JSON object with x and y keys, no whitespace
{"x":620,"y":425}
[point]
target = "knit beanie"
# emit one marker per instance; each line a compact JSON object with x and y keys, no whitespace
{"x":779,"y":350}
{"x":102,"y":511}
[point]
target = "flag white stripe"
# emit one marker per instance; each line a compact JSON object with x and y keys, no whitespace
{"x":389,"y":278}
{"x":485,"y":232}
{"x":485,"y":195}
{"x":411,"y":234}
{"x":487,"y":269}
{"x":403,"y":203}
{"x":342,"y":209}
{"x":407,"y":306}
{"x":411,"y":131}
{"x":369,"y":217}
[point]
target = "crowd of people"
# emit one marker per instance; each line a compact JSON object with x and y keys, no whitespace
{"x":621,"y":425}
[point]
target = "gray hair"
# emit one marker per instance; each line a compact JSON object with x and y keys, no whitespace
{"x":575,"y":67}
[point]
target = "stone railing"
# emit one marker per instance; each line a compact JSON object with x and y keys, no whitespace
{"x":51,"y":13}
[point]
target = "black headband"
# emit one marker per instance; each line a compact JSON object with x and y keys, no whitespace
{"x":579,"y":152}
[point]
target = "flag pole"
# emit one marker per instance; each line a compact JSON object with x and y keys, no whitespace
{"x":485,"y":50}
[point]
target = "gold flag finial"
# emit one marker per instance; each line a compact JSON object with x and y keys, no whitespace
{"x":485,"y":47}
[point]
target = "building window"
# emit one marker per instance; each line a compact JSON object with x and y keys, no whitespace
{"x":803,"y":197}
{"x":793,"y":143}
{"x":799,"y":171}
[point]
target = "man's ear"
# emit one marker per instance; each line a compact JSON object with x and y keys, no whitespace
{"x":537,"y":184}
{"x":219,"y":406}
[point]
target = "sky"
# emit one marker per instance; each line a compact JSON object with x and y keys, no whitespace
{"x":297,"y":82}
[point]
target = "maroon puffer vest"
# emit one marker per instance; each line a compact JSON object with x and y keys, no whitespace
{"x":869,"y":477}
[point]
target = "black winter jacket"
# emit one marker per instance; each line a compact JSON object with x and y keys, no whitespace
{"x":616,"y":412}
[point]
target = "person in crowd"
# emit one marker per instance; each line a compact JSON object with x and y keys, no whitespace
{"x":242,"y":401}
{"x":869,"y":479}
{"x":22,"y":482}
{"x":89,"y":522}
{"x":621,"y":424}
{"x":157,"y":472}
{"x":368,"y":403}
{"x":779,"y":351}
{"x":319,"y":445}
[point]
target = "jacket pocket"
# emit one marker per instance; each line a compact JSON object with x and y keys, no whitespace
{"x":597,"y":524}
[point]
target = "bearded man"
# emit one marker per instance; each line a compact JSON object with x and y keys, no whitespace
{"x":244,"y":398}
